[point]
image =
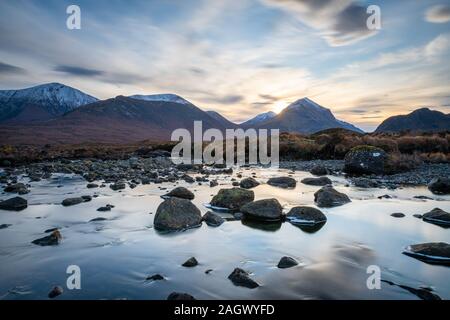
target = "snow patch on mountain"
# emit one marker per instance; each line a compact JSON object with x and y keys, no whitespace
{"x":167,"y":97}
{"x":260,"y":118}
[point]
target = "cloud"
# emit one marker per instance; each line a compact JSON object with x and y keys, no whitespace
{"x":339,"y":22}
{"x":78,"y":71}
{"x":6,"y":68}
{"x":438,"y":14}
{"x":229,"y":99}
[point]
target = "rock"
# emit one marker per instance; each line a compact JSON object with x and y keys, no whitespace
{"x":208,"y":271}
{"x":322,"y":181}
{"x":212,"y":219}
{"x":72,"y":201}
{"x":177,"y":214}
{"x":86,"y":198}
{"x":233,"y":198}
{"x":191,"y":262}
{"x":328,"y":197}
{"x":282,"y":182}
{"x":432,"y":252}
{"x":181,"y":192}
{"x":180,"y":296}
{"x":14,"y":204}
{"x":118,"y":186}
{"x":437,"y":216}
{"x":418,"y":216}
{"x":51,"y":240}
{"x":440,"y":185}
{"x":235,"y":184}
{"x":266,"y":209}
{"x":91,"y":185}
{"x":19,"y":188}
{"x":287,"y":262}
{"x":384,"y":196}
{"x":422,"y":198}
{"x":241,"y":278}
{"x":188,"y":178}
{"x":365,"y":160}
{"x":398,"y":215}
{"x":305,"y":216}
{"x":5,"y":225}
{"x":108,"y":207}
{"x":98,"y":219}
{"x":365,"y":183}
{"x":155,"y":277}
{"x":56,"y":291}
{"x":51,"y":230}
{"x":319,"y":170}
{"x":248,"y":183}
{"x":213,"y":183}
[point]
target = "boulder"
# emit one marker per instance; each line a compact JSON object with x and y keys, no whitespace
{"x":118,"y":186}
{"x":328,"y":197}
{"x":287,"y":262}
{"x":213,"y":183}
{"x":14,"y":204}
{"x":365,"y":160}
{"x":91,"y":185}
{"x":213,"y":219}
{"x":248,"y":183}
{"x":177,"y":214}
{"x":319,"y":170}
{"x":181,"y":192}
{"x":191,"y":262}
{"x":365,"y":183}
{"x":19,"y":188}
{"x":305,"y":216}
{"x":322,"y":181}
{"x":282,"y":182}
{"x":72,"y":201}
{"x":440,"y":186}
{"x":233,"y":198}
{"x":51,"y":240}
{"x":432,"y":252}
{"x":180,"y":296}
{"x":266,"y":209}
{"x":437,"y":216}
{"x":242,"y":278}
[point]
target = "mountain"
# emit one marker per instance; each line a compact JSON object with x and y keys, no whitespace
{"x":258,"y":119}
{"x":43,"y":102}
{"x":117,"y":120}
{"x":224,"y":121}
{"x":167,"y":97}
{"x":422,"y":119}
{"x":305,"y":116}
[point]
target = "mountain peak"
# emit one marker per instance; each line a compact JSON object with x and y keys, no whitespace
{"x":305,"y":103}
{"x":262,"y":117}
{"x":166,"y":97}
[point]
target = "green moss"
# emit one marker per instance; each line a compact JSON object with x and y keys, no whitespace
{"x":366,"y":148}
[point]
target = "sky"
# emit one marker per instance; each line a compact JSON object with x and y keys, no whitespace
{"x":239,"y":58}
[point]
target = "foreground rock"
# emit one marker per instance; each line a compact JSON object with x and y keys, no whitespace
{"x":265,"y":210}
{"x":282,"y":182}
{"x":328,"y":197}
{"x":241,"y":278}
{"x":440,"y":186}
{"x":19,"y":188}
{"x":180,"y":296}
{"x":213,"y":219}
{"x":248,"y":183}
{"x":51,"y":240}
{"x":232,"y":199}
{"x":191,"y":262}
{"x":181,"y":192}
{"x":177,"y":214}
{"x":322,"y":181}
{"x":437,"y":216}
{"x":305,"y":216}
{"x":287,"y":262}
{"x":432,"y":252}
{"x":365,"y":160}
{"x":14,"y":204}
{"x":56,"y":291}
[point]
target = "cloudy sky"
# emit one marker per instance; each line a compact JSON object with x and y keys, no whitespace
{"x":239,"y":58}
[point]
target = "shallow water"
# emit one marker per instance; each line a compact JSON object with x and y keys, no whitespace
{"x":116,"y":256}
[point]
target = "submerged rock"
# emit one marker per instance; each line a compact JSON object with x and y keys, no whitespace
{"x":328,"y":197}
{"x":440,"y":186}
{"x":397,"y":215}
{"x":266,"y":209}
{"x":181,"y":192}
{"x":282,"y":182}
{"x":5,"y":225}
{"x":287,"y":262}
{"x":212,"y":219}
{"x":56,"y":291}
{"x":322,"y":181}
{"x":72,"y":201}
{"x":437,"y":216}
{"x":248,"y":183}
{"x":233,"y":198}
{"x":365,"y":160}
{"x":242,"y":278}
{"x":155,"y":277}
{"x":98,"y":219}
{"x":108,"y":207}
{"x":51,"y":240}
{"x":191,"y":262}
{"x":305,"y":216}
{"x":177,"y":214}
{"x":14,"y":204}
{"x":180,"y":296}
{"x":432,"y":252}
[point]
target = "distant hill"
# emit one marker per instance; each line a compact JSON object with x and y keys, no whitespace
{"x":224,"y":121}
{"x":423,"y":119}
{"x":40,"y":103}
{"x":260,"y":118}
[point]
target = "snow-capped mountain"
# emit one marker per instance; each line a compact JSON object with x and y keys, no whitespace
{"x":166,"y":97}
{"x":42,"y":102}
{"x":258,"y":119}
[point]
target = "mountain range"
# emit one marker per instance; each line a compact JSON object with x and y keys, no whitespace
{"x":55,"y":113}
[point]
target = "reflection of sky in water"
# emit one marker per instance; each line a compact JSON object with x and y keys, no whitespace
{"x":116,"y":256}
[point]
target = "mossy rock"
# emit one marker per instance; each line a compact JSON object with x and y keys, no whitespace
{"x":232,"y":199}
